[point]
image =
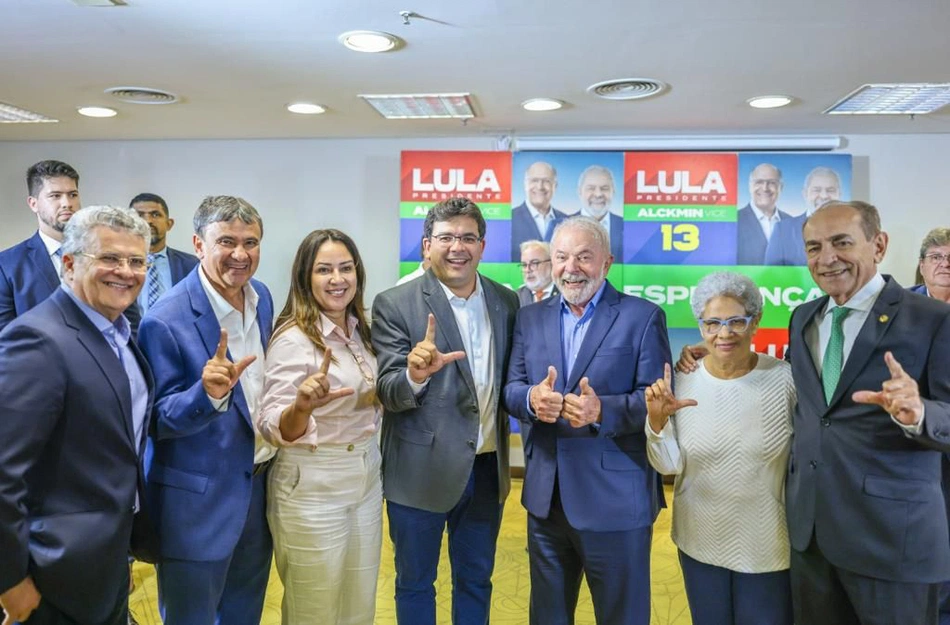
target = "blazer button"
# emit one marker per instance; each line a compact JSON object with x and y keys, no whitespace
{"x":248,"y":474}
{"x":350,"y":447}
{"x":471,"y":444}
{"x":813,"y":464}
{"x":826,"y":423}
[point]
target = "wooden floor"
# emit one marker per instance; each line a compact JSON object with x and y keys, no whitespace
{"x":511,"y":583}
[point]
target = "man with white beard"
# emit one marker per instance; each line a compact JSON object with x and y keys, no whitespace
{"x":595,"y":188}
{"x":536,"y":271}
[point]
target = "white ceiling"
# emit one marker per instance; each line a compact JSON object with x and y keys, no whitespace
{"x":237,"y":63}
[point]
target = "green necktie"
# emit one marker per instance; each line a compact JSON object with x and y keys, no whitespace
{"x":831,"y":363}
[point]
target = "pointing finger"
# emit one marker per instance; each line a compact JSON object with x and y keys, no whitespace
{"x":452,"y":357}
{"x":343,"y":391}
{"x":242,"y":365}
{"x":430,"y":329}
{"x":222,"y":352}
{"x":667,"y":374}
{"x":893,"y":366}
{"x":869,"y":397}
{"x":325,"y":366}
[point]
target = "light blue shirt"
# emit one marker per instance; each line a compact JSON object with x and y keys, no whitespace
{"x":162,"y":273}
{"x":574,"y":329}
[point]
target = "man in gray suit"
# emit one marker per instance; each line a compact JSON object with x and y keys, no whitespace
{"x":536,"y":271}
{"x":865,"y":509}
{"x":442,"y":343}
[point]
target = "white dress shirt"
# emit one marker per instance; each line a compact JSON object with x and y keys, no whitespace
{"x":766,"y":223}
{"x":52,"y":246}
{"x":541,"y":221}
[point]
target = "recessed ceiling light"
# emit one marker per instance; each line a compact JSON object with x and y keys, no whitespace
{"x":541,"y":104}
{"x":893,"y":99}
{"x":10,"y":114}
{"x":370,"y":41}
{"x":769,"y":101}
{"x":96,"y":111}
{"x":306,"y":108}
{"x":422,"y":105}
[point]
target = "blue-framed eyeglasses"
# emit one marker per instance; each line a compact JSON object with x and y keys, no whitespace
{"x":712,"y":325}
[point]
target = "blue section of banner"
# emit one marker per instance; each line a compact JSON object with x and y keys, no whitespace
{"x":679,"y":243}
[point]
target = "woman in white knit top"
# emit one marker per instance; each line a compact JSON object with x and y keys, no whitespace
{"x":728,"y":446}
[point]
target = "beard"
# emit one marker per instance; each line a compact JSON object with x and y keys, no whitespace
{"x":582,"y":296}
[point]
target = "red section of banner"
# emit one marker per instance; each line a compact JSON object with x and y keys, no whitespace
{"x":436,"y":176}
{"x":773,"y":341}
{"x":680,"y":178}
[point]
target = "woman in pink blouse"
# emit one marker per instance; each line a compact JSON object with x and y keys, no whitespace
{"x":324,"y":495}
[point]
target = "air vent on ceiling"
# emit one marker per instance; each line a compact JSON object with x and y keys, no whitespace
{"x":627,"y":88}
{"x":142,"y":95}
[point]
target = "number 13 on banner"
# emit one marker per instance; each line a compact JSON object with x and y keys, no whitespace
{"x":680,"y":237}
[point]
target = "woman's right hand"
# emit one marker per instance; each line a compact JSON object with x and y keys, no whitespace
{"x":690,"y":357}
{"x":661,"y":403}
{"x":315,"y":391}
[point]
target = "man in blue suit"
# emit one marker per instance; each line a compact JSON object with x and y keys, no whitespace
{"x":595,"y":188}
{"x":206,"y":464}
{"x":76,"y":394}
{"x":167,"y":266}
{"x":535,"y":218}
{"x":756,"y":221}
{"x":866,"y":514}
{"x":578,"y":369}
{"x":29,"y":271}
{"x":786,"y":245}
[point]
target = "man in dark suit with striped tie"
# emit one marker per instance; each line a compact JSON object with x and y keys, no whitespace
{"x":167,"y":265}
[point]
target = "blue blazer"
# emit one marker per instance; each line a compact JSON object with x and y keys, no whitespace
{"x":180,"y":263}
{"x":606,"y":483}
{"x":28,"y":276}
{"x":69,"y":464}
{"x":918,"y":288}
{"x":787,"y":245}
{"x":616,"y":237}
{"x":751,"y":241}
{"x":199,"y":462}
{"x":870,"y":495}
{"x":524,"y":229}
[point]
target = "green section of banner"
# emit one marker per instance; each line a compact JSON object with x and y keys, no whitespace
{"x":670,"y":287}
{"x":678,"y":212}
{"x":418,"y":210}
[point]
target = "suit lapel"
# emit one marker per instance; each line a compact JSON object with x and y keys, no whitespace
{"x":551,"y":325}
{"x":604,"y":315}
{"x":39,"y":256}
{"x":798,"y":333}
{"x":446,"y":327}
{"x":499,"y":331}
{"x":875,"y":326}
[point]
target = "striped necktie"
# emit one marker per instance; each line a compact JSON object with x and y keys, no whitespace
{"x":155,"y":286}
{"x":834,"y":352}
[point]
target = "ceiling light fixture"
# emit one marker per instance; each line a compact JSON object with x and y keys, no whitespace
{"x":370,"y":41}
{"x":769,"y":101}
{"x":893,"y":99}
{"x":96,"y":111}
{"x":541,"y":104}
{"x":422,"y":105}
{"x":683,"y":143}
{"x":306,"y":108}
{"x":10,"y":114}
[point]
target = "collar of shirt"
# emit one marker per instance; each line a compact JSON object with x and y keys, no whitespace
{"x":328,"y":327}
{"x":864,"y":299}
{"x":51,"y":244}
{"x":162,"y":253}
{"x":120,"y":328}
{"x":477,"y":294}
{"x":222,"y":308}
{"x":536,"y":214}
{"x":776,"y":216}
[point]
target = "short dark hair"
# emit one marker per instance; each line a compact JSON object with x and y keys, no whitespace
{"x":149,"y":197}
{"x":40,"y":172}
{"x":450,"y":209}
{"x":215,"y":208}
{"x":870,"y":217}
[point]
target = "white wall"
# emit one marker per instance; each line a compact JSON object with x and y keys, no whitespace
{"x":353,"y":185}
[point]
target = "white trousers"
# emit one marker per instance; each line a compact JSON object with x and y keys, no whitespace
{"x":325,"y":511}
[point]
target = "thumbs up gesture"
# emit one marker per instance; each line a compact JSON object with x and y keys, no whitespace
{"x":425,"y":359}
{"x":583,"y":409}
{"x":661,"y":402}
{"x":315,"y":391}
{"x":220,"y":374}
{"x":545,"y":402}
{"x":899,"y":396}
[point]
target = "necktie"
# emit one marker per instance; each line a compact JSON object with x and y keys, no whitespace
{"x":58,"y":253}
{"x":831,"y":363}
{"x":155,"y":286}
{"x":539,"y":295}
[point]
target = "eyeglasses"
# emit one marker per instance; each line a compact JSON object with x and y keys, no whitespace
{"x":449,"y":239}
{"x":936,"y":259}
{"x":136,"y":264}
{"x":533,"y":265}
{"x":737,"y":325}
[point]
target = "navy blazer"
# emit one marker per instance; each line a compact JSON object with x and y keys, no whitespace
{"x":870,"y":495}
{"x":787,"y":245}
{"x":69,"y":464}
{"x":524,"y":229}
{"x":606,"y":483}
{"x":28,"y":276}
{"x":751,"y":241}
{"x":180,"y":263}
{"x":199,"y":461}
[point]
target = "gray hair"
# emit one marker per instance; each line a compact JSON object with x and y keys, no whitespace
{"x":78,"y":234}
{"x":215,"y":208}
{"x":938,"y":237}
{"x":595,"y":169}
{"x":542,"y":245}
{"x":588,"y":225}
{"x":822,"y":171}
{"x":728,"y":284}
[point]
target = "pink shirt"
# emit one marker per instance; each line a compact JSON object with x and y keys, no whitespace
{"x":292,"y":358}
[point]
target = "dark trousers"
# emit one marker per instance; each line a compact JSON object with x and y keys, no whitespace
{"x":720,"y":596}
{"x":473,"y":526}
{"x":823,"y":594}
{"x":617,"y":566}
{"x":229,"y":591}
{"x":48,"y":614}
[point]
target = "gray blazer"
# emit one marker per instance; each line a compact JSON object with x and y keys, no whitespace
{"x":870,"y":495}
{"x":526,"y":295}
{"x":428,"y":443}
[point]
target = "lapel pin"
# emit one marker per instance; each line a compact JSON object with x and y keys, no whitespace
{"x":883,"y":318}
